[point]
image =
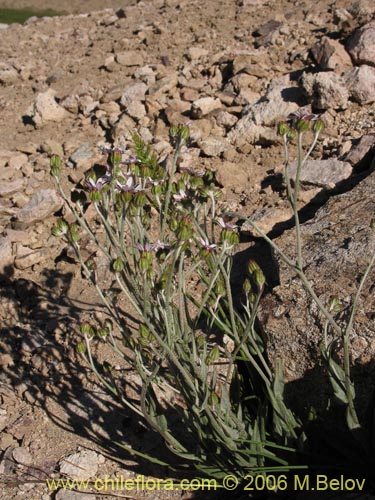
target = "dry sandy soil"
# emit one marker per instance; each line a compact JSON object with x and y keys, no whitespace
{"x":51,"y":405}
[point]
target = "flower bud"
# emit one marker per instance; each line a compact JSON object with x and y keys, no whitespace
{"x":87,"y":329}
{"x":252,"y":267}
{"x":55,"y":164}
{"x":220,"y":288}
{"x":118,"y":265}
{"x":282,"y":128}
{"x":102,"y":333}
{"x":302,"y":125}
{"x":230,"y":236}
{"x":81,"y":348}
{"x":173,"y":224}
{"x":213,"y":356}
{"x":95,"y":196}
{"x":318,"y":126}
{"x":60,"y":229}
{"x":73,"y":234}
{"x":145,"y":261}
{"x":140,"y":199}
{"x":213,"y":399}
{"x":108,"y":325}
{"x":259,"y":279}
{"x":372,"y":224}
{"x":115,"y":157}
{"x":246,"y":286}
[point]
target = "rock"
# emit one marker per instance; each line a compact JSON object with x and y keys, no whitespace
{"x":8,"y":74}
{"x":200,"y":129}
{"x":52,"y":147}
{"x":9,"y":187}
{"x":336,"y":246}
{"x":70,"y":103}
{"x":22,"y":237}
{"x":45,"y":109}
{"x":81,"y":465}
{"x":136,"y":110}
{"x":266,"y":219}
{"x":268,"y":33}
{"x":195,"y":53}
{"x":204,"y":106}
{"x":358,"y":152}
{"x":145,"y":74}
{"x":212,"y":145}
{"x":82,"y":154}
{"x":25,"y":257}
{"x":129,"y":58}
{"x":331,"y":55}
{"x":281,"y":99}
{"x":134,"y":92}
{"x":361,"y":45}
{"x":164,"y":85}
{"x":361,"y":83}
{"x":42,"y":205}
{"x":327,"y":90}
{"x":322,"y":173}
{"x":225,"y":119}
{"x":123,"y":128}
{"x":22,"y":456}
{"x":6,"y":256}
{"x":230,"y":174}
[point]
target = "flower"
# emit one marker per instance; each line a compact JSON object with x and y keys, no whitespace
{"x":210,"y":247}
{"x":225,"y":225}
{"x":301,"y":119}
{"x":181,"y":195}
{"x":130,"y":186}
{"x":98,"y":184}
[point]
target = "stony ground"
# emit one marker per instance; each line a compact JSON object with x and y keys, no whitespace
{"x":68,"y":85}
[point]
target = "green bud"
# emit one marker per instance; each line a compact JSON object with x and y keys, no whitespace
{"x":302,"y":125}
{"x":60,"y":229}
{"x":220,"y":288}
{"x":230,"y":236}
{"x":118,"y":265}
{"x":73,"y":234}
{"x":200,"y":340}
{"x":140,"y":199}
{"x":282,"y":129}
{"x":95,"y":196}
{"x":173,"y":224}
{"x":213,"y":399}
{"x":125,"y":196}
{"x":246,"y":286}
{"x":81,"y":348}
{"x":252,"y":267}
{"x":145,"y":261}
{"x":259,"y":279}
{"x":372,"y":224}
{"x":108,"y":325}
{"x":115,"y":157}
{"x":55,"y":164}
{"x":102,"y":333}
{"x":335,"y":305}
{"x":318,"y":126}
{"x":87,"y":329}
{"x":157,"y":190}
{"x":213,"y":356}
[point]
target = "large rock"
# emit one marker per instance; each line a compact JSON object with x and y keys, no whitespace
{"x":45,"y":109}
{"x":331,"y":55}
{"x":81,"y":465}
{"x":281,"y":99}
{"x":322,"y":173}
{"x":361,"y":83}
{"x":43,"y":204}
{"x":336,"y":244}
{"x":6,"y":256}
{"x":326,"y":90}
{"x":361,"y":45}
